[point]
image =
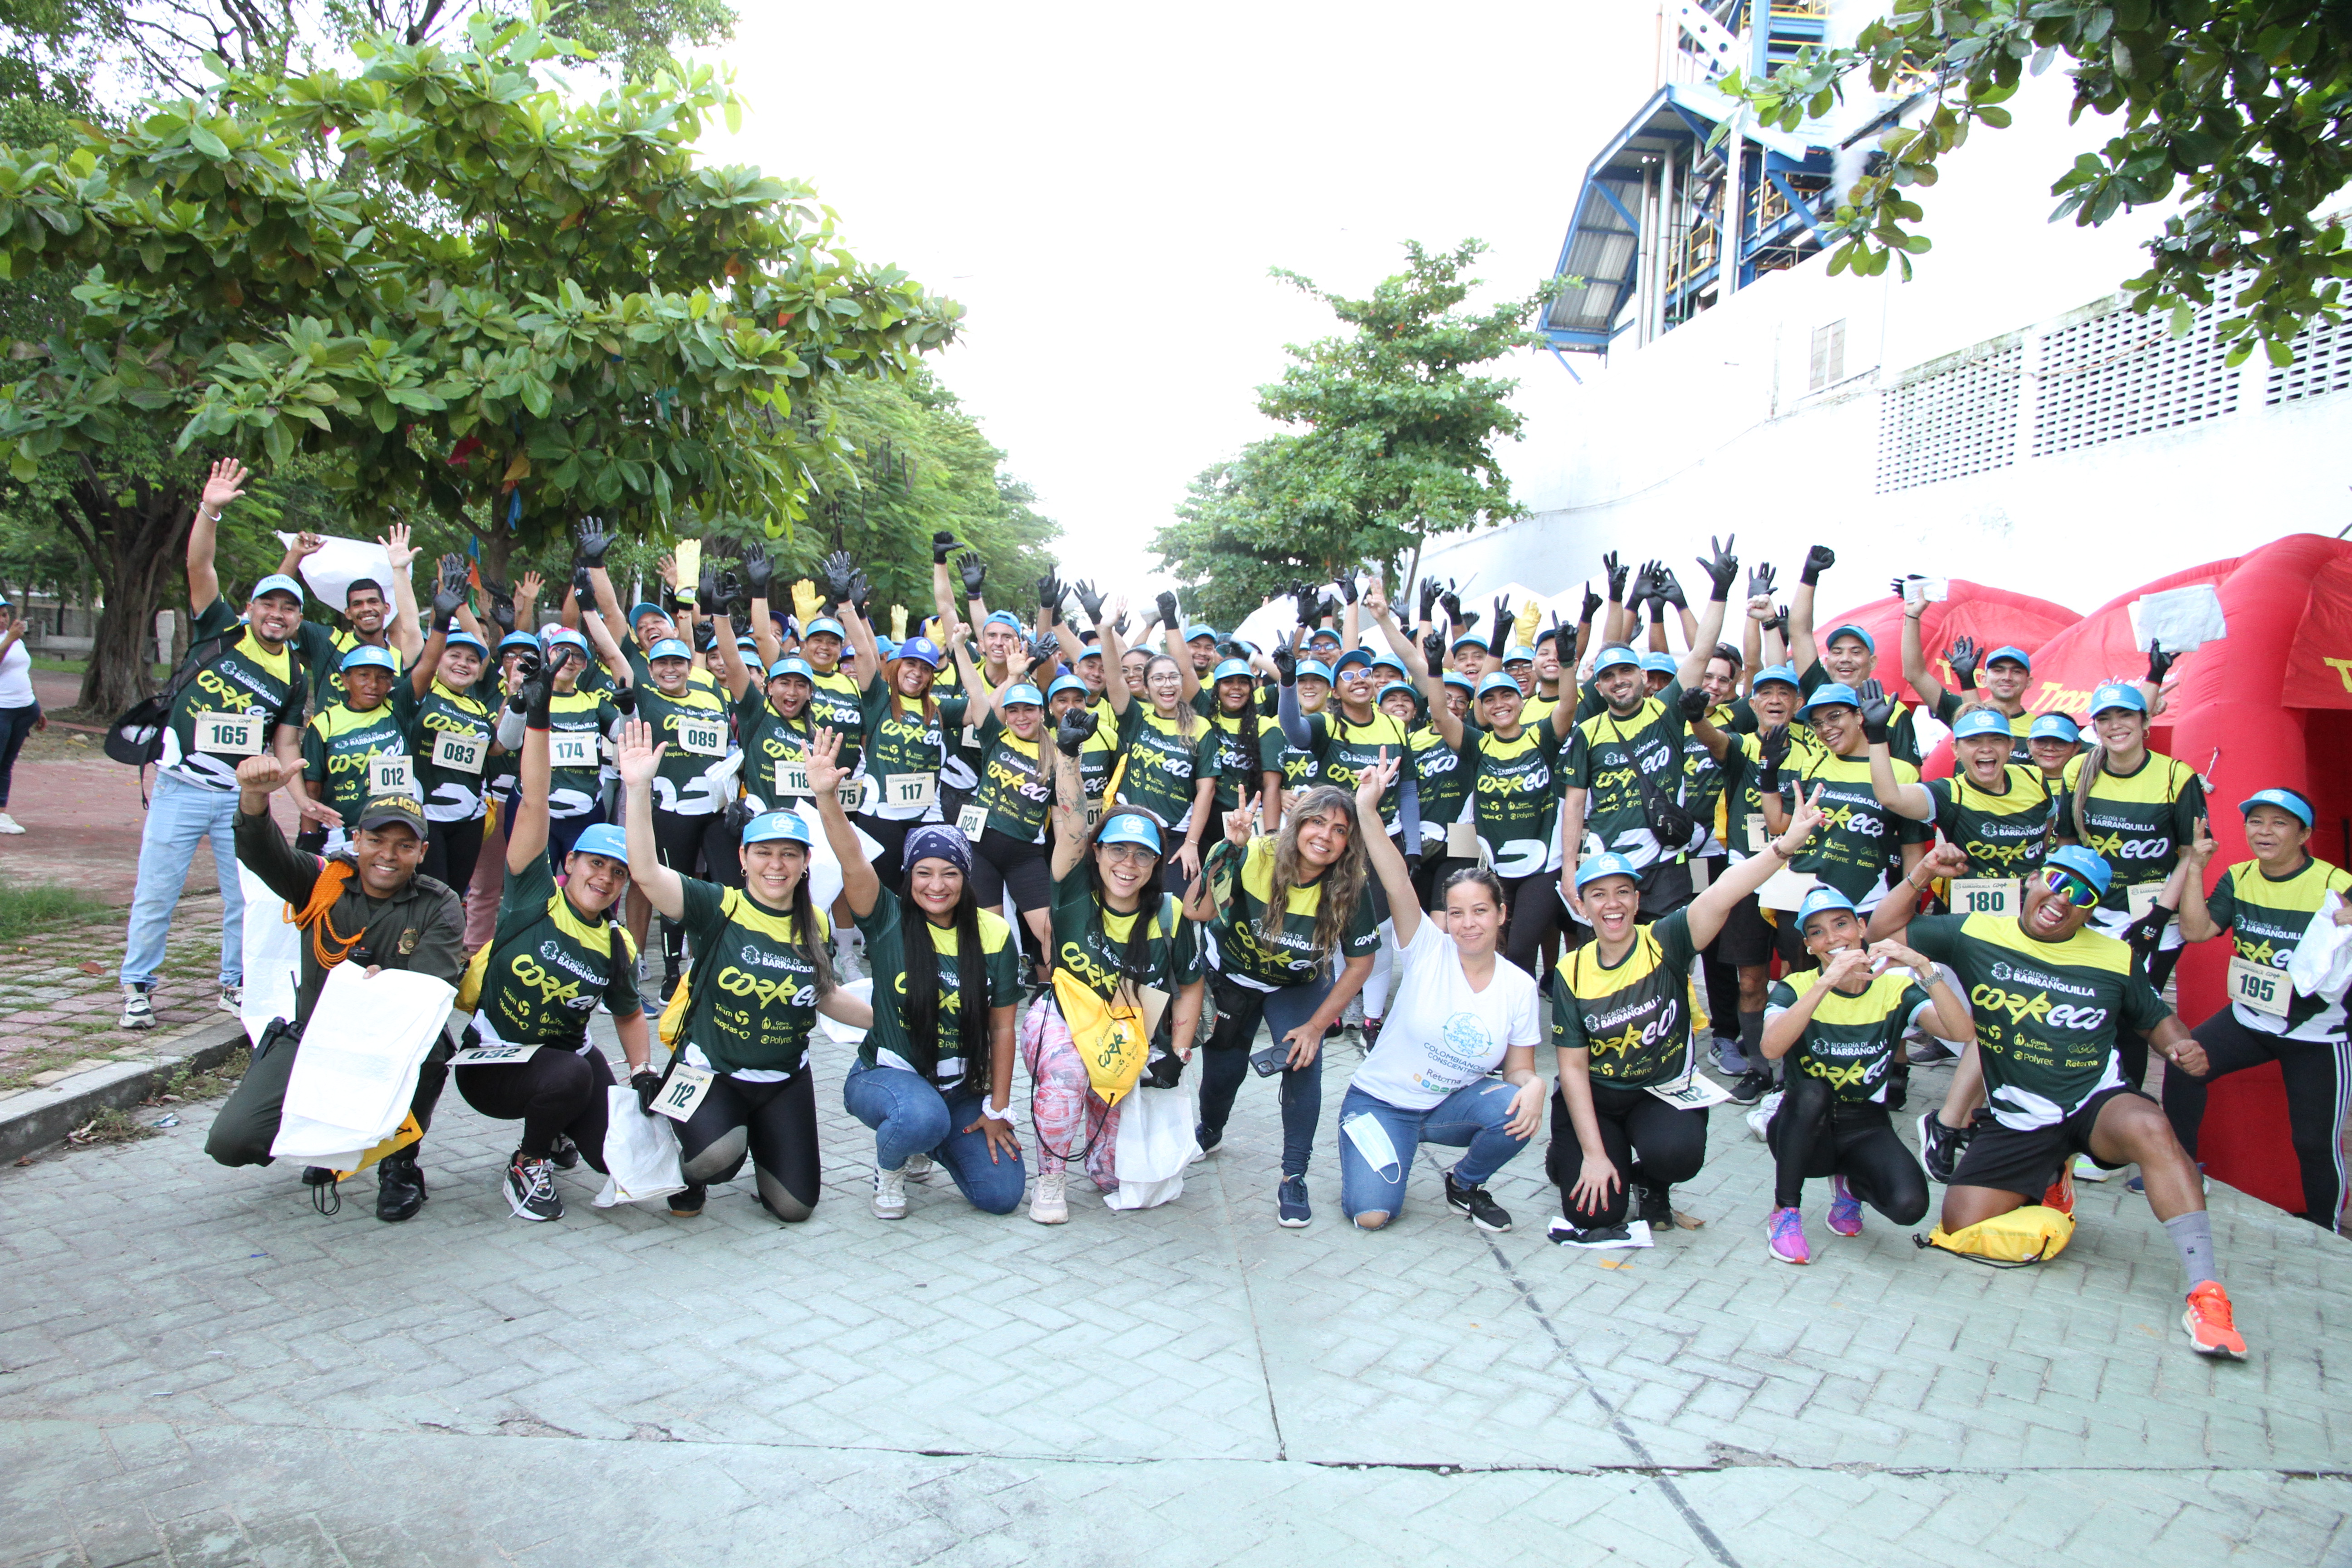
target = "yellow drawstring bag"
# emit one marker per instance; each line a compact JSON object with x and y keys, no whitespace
{"x":2032,"y":1234}
{"x":1112,"y":1040}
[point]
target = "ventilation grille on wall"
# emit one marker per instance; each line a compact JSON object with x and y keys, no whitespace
{"x":2323,"y":363}
{"x":2125,"y":375}
{"x":1958,"y":421}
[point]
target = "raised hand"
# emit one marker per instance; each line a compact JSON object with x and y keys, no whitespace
{"x":1773,"y":746}
{"x":265,"y":772}
{"x":706,"y":590}
{"x":1348,"y":585}
{"x":1760,"y":580}
{"x":825,"y":772}
{"x":224,"y":484}
{"x":638,"y":757}
{"x":973,"y":571}
{"x":1877,"y":711}
{"x":1166,"y":605}
{"x":1722,"y":567}
{"x":1668,"y":589}
{"x":593,"y":539}
{"x":1376,"y":599}
{"x":1074,"y":729}
{"x":1803,"y":821}
{"x":1043,"y":650}
{"x":1372,"y":785}
{"x":1430,"y":589}
{"x":1286,"y":662}
{"x":2159,"y":663}
{"x":1307,"y":600}
{"x":1090,"y":600}
{"x":1592,"y":603}
{"x":583,"y":591}
{"x":397,"y":548}
{"x":1452,"y":603}
{"x":1433,"y":648}
{"x":1502,"y":622}
{"x":836,"y":573}
{"x":758,"y":570}
{"x":1239,"y":824}
{"x":1963,"y":657}
{"x":1818,"y":560}
{"x":943,"y":544}
{"x":452,"y":591}
{"x":1049,"y":595}
{"x":1695,"y":703}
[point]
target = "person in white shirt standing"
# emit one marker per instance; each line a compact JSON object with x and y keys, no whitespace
{"x":1459,"y":1011}
{"x":20,"y":710}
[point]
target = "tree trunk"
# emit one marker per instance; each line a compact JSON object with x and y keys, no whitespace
{"x":138,"y":547}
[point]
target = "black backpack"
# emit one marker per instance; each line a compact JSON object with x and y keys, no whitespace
{"x":136,"y":737}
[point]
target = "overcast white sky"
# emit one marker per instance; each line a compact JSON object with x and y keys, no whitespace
{"x":1104,"y":190}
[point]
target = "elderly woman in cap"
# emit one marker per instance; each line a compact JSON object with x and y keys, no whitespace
{"x":934,"y":1074}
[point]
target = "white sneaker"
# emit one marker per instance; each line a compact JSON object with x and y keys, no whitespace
{"x":1759,"y":1118}
{"x":889,"y":1195}
{"x":232,"y":1000}
{"x":9,"y":824}
{"x":2089,"y":1170}
{"x":138,"y":1012}
{"x":918,"y":1168}
{"x":1047,"y":1203}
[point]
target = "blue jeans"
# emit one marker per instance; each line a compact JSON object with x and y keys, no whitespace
{"x":910,"y":1117}
{"x":1472,"y":1116}
{"x":179,"y":816}
{"x":1226,"y":1062}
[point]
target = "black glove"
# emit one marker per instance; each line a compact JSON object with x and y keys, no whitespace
{"x":583,"y":592}
{"x":1963,"y":657}
{"x":1452,"y":603}
{"x":1695,"y":703}
{"x":738,"y":816}
{"x":1166,"y":605}
{"x":1305,"y":600}
{"x":1616,"y":576}
{"x":2147,"y":932}
{"x":861,"y":595}
{"x":1348,"y":585}
{"x":1776,"y":620}
{"x":1119,"y":626}
{"x":1818,"y":560}
{"x":705,"y":634}
{"x":974,"y":572}
{"x":1900,"y":586}
{"x":450,"y":594}
{"x":1286,"y":662}
{"x":1430,"y":588}
{"x":648,"y":1083}
{"x":1076,"y":729}
{"x":943,"y":544}
{"x":1049,"y":595}
{"x":594,"y":539}
{"x":1877,"y":711}
{"x":1722,"y":568}
{"x":1043,"y":650}
{"x":1772,"y":750}
{"x":730,"y":590}
{"x":2159,"y":662}
{"x":1592,"y":602}
{"x":1670,"y":591}
{"x":1500,"y":631}
{"x":837,"y":575}
{"x":502,"y":614}
{"x":706,"y":588}
{"x":1760,"y":580}
{"x":625,"y":698}
{"x":759,"y":571}
{"x":1433,"y":647}
{"x":1090,"y":600}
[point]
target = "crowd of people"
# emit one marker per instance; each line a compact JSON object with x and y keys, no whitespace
{"x":1096,"y":841}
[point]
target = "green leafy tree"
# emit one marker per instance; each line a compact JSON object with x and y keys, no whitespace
{"x":1392,"y":438}
{"x":2237,"y":109}
{"x":483,"y":297}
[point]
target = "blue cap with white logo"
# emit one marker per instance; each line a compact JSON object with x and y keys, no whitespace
{"x":1519,"y":653}
{"x":367,"y":656}
{"x":514,"y":640}
{"x":1352,"y":658}
{"x":1823,"y":897}
{"x":1396,"y":687}
{"x":602,"y":838}
{"x":2015,"y":655}
{"x":278,"y":583}
{"x":465,"y":639}
{"x":1456,"y":678}
{"x":668,"y":648}
{"x":793,"y":664}
{"x":1022,"y":694}
{"x":1469,"y":639}
{"x":2087,"y":863}
{"x":1982,"y":722}
{"x":2117,"y":694}
{"x":1609,"y":864}
{"x":1499,"y":682}
{"x":1833,"y":694}
{"x":2055,"y":727}
{"x":1198,"y":630}
{"x":1850,"y":630}
{"x":1315,"y":667}
{"x":1129,"y":828}
{"x":825,"y":624}
{"x":1657,"y":663}
{"x":1613,"y":657}
{"x":770,"y":825}
{"x":1002,"y":618}
{"x":1230,"y":669}
{"x":2286,"y":800}
{"x":644,"y":607}
{"x":1320,"y":633}
{"x":1070,"y":683}
{"x":1786,"y":675}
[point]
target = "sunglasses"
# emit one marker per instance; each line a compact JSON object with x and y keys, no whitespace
{"x":2070,"y":888}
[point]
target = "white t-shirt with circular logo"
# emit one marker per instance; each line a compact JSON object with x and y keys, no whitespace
{"x":1441,"y":1034}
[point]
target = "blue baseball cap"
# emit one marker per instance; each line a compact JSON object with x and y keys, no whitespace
{"x":1354,"y":656}
{"x":1070,"y":683}
{"x":1230,"y":669}
{"x":2016,"y":655}
{"x":793,"y":664}
{"x":770,"y":826}
{"x":2286,"y":800}
{"x":747,"y":642}
{"x":2055,"y":727}
{"x":1002,"y":618}
{"x":1089,"y":648}
{"x":465,"y":639}
{"x":1656,"y":664}
{"x":367,"y":656}
{"x":1833,"y":694}
{"x":1850,"y":630}
{"x":1313,"y":667}
{"x":513,"y":640}
{"x":1320,"y":632}
{"x":644,"y":607}
{"x":2117,"y":694}
{"x":1021,"y":693}
{"x":1784,"y":674}
{"x":1609,"y":864}
{"x":668,"y":648}
{"x":1129,"y":828}
{"x":566,"y":637}
{"x":1519,"y":653}
{"x":602,"y":838}
{"x":1400,"y":686}
{"x":2087,"y":863}
{"x":1469,"y":639}
{"x":888,"y":648}
{"x":1456,"y":678}
{"x":1498,"y":681}
{"x":276,"y":582}
{"x":1198,"y":630}
{"x":1823,"y":897}
{"x":1982,"y":721}
{"x":1615,"y":654}
{"x":825,"y":624}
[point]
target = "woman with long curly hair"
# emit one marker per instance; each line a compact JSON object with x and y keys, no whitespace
{"x":1276,"y":909}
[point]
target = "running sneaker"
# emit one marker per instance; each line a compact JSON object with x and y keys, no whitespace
{"x":1784,"y":1236}
{"x":2213,"y":1327}
{"x":399,"y":1187}
{"x":9,"y":824}
{"x":531,"y":1189}
{"x":1759,"y":1115}
{"x":1598,"y":1235}
{"x":232,"y":999}
{"x":138,"y":1012}
{"x":1845,"y":1209}
{"x":918,"y":1168}
{"x":1477,"y":1204}
{"x":889,"y":1195}
{"x":2089,"y":1170}
{"x":686,"y":1202}
{"x":566,"y":1154}
{"x":1726,"y":1057}
{"x":1926,"y":1052}
{"x":1940,"y":1147}
{"x":1208,"y":1138}
{"x":1653,"y":1205}
{"x":1048,"y":1203}
{"x":1749,"y":1087}
{"x":2061,"y":1194}
{"x":1372,"y":1033}
{"x":1290,"y":1205}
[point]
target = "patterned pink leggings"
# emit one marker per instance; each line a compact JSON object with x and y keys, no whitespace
{"x":1071,"y":1120}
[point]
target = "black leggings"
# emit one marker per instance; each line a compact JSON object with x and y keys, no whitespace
{"x":1000,"y":861}
{"x":1537,"y":912}
{"x":773,"y":1123}
{"x":16,"y":724}
{"x":1429,"y":881}
{"x":1815,"y":1134}
{"x":2131,"y":1047}
{"x":890,"y":833}
{"x":2318,"y":1079}
{"x":556,"y":1089}
{"x":451,"y":848}
{"x":682,"y":842}
{"x":1647,"y":1140}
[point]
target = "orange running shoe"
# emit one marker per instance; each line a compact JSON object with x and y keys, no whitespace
{"x":2211,"y":1330}
{"x":2061,"y":1195}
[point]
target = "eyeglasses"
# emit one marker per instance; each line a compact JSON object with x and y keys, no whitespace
{"x":1126,"y":852}
{"x":2070,"y":888}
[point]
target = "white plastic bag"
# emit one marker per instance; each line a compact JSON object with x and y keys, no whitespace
{"x":332,"y":569}
{"x":640,"y":1153}
{"x":1155,"y":1143}
{"x":2322,"y":965}
{"x":273,"y":957}
{"x":355,"y":1071}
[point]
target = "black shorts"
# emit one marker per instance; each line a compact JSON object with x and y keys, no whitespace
{"x":2027,"y":1162}
{"x":1746,"y":941}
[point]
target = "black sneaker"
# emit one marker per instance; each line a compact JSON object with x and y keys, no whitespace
{"x":1291,"y":1209}
{"x":566,"y":1154}
{"x":1483,"y":1211}
{"x":1208,"y":1137}
{"x":318,"y":1177}
{"x":531,"y":1189}
{"x":1565,"y":1234}
{"x":1940,"y":1147}
{"x":1653,"y":1205}
{"x":1749,"y":1087}
{"x":686,"y":1202}
{"x":399,"y":1188}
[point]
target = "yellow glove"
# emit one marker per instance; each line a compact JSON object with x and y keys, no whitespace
{"x":898,"y":623}
{"x":1523,"y":632}
{"x":807,"y":606}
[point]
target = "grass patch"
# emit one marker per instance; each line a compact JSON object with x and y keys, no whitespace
{"x":20,"y":1072}
{"x":211,"y":1084}
{"x":45,"y":906}
{"x":109,"y":1126}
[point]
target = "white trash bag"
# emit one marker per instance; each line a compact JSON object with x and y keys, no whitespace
{"x":273,"y":957}
{"x":1155,"y":1143}
{"x":355,"y":1072}
{"x":640,"y":1153}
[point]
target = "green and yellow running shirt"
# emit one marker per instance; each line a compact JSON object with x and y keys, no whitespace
{"x":322,"y":649}
{"x":692,"y":727}
{"x":752,"y":995}
{"x":1903,"y":728}
{"x":2266,"y":917}
{"x":2003,"y":835}
{"x":2046,"y":1011}
{"x":547,"y":966}
{"x":887,"y":1043}
{"x":355,"y":756}
{"x":1743,"y":804}
{"x":1850,"y":1042}
{"x":1241,"y":764}
{"x":1158,"y":768}
{"x":838,"y":702}
{"x":449,"y":743}
{"x":232,"y":708}
{"x":1442,"y":782}
{"x":1858,"y":847}
{"x":1703,"y":784}
{"x":1017,"y":783}
{"x":1634,"y":1017}
{"x":1515,"y":799}
{"x":1239,"y":947}
{"x":1090,"y":941}
{"x":902,"y":757}
{"x":2137,"y":823}
{"x":1344,"y":749}
{"x":577,"y":723}
{"x":1948,"y":708}
{"x":1607,"y":757}
{"x":768,"y":739}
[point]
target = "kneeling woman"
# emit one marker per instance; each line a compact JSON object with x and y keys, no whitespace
{"x":1840,"y":1037}
{"x":759,"y":980}
{"x":1458,"y":1012}
{"x":1621,"y":1023}
{"x":555,"y":954}
{"x":934,"y":1074}
{"x":1117,"y":936}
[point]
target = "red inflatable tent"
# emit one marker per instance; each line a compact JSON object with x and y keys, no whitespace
{"x":1994,"y":616}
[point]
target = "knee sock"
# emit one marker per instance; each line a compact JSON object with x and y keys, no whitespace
{"x":2192,"y":1235}
{"x":1751,"y":1037}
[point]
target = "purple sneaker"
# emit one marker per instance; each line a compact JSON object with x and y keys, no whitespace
{"x":1785,"y":1236}
{"x":1845,"y":1209}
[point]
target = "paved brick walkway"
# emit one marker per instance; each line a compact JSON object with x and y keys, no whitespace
{"x":60,"y":998}
{"x":193,"y":1367}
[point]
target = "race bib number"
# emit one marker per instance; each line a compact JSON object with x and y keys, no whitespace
{"x":491,"y":1056}
{"x":1756,"y":834}
{"x":1985,"y":895}
{"x":1785,"y":889}
{"x":1094,"y":812}
{"x":1461,"y":840}
{"x":857,"y":795}
{"x":791,"y":777}
{"x":703,"y":737}
{"x":971,"y":820}
{"x":229,"y":734}
{"x":913,"y":791}
{"x":458,"y":753}
{"x":683,"y":1092}
{"x":572,"y":749}
{"x":2259,"y":986}
{"x":2143,"y":896}
{"x":1695,"y":1093}
{"x":971,"y":738}
{"x":388,"y":774}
